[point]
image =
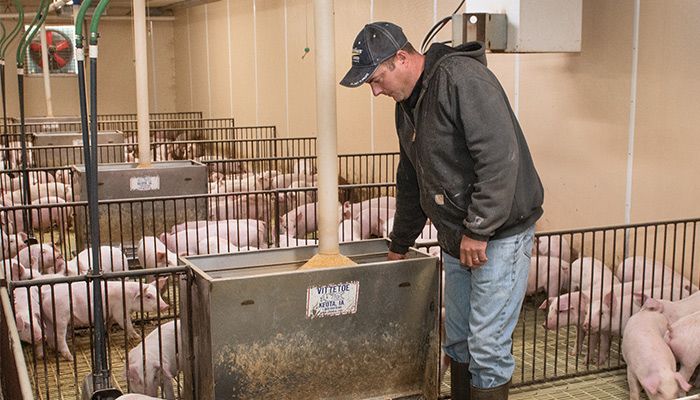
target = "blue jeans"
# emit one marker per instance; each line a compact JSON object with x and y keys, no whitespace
{"x":482,"y":306}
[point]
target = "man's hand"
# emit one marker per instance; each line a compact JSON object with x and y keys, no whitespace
{"x":395,"y":256}
{"x":472,"y":253}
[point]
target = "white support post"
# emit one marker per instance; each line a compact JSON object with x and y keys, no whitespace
{"x":141,"y":57}
{"x":326,"y":125}
{"x":46,"y":71}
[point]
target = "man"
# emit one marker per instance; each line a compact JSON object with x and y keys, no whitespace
{"x":465,"y":165}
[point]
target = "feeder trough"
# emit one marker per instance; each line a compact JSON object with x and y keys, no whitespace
{"x":67,"y":148}
{"x":263,"y":329}
{"x":126,"y":222}
{"x":51,"y":122}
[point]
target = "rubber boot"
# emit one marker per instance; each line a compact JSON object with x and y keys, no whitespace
{"x":460,"y":380}
{"x":495,"y":393}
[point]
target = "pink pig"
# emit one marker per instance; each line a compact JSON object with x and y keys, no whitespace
{"x":549,"y":274}
{"x":683,"y":337}
{"x":640,"y":267}
{"x":161,"y":363}
{"x":80,"y":295}
{"x":28,"y":322}
{"x":649,"y":359}
{"x":672,"y":310}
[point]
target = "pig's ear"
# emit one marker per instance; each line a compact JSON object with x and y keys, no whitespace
{"x":545,"y":303}
{"x":685,"y":386}
{"x":162,"y":237}
{"x":653,"y":304}
{"x":563,"y":303}
{"x":640,"y":298}
{"x":347,"y":210}
{"x":19,"y":320}
{"x":584,"y":300}
{"x":162,"y":282}
{"x":668,"y":336}
{"x":608,"y":299}
{"x":300,"y":219}
{"x":21,"y":270}
{"x":651,"y":383}
{"x":22,"y":236}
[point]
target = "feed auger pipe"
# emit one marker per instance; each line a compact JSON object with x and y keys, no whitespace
{"x":101,"y":382}
{"x":4,"y":43}
{"x":326,"y":144}
{"x":80,"y":58}
{"x":24,"y":42}
{"x":6,"y":142}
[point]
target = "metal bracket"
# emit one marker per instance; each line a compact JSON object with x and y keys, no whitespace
{"x":490,"y":29}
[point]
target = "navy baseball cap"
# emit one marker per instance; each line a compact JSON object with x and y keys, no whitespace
{"x":376,"y":43}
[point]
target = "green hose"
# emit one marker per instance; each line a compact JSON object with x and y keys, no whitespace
{"x":79,"y":23}
{"x":13,"y":33}
{"x":34,"y":27}
{"x":2,"y":27}
{"x":94,"y":35}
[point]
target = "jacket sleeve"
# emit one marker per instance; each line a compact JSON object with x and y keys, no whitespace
{"x":483,"y":114}
{"x":409,"y":218}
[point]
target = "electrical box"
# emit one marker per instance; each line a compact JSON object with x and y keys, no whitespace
{"x":532,"y":26}
{"x":490,"y":29}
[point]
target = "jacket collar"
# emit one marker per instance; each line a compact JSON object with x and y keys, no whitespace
{"x":435,"y":54}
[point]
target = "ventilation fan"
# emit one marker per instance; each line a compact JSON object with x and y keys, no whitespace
{"x":60,"y":49}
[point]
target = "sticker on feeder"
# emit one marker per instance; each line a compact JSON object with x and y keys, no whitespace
{"x":77,"y":142}
{"x":144,"y":183}
{"x":335,"y":299}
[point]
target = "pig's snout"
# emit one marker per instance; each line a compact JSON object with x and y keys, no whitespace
{"x":164,"y":306}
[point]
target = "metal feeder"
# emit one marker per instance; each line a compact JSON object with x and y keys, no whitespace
{"x":125,"y":223}
{"x":52,"y":120}
{"x":50,"y":124}
{"x":67,"y":156}
{"x":262,"y":329}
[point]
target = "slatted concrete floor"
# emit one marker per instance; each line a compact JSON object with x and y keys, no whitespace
{"x":62,"y":379}
{"x":543,"y":355}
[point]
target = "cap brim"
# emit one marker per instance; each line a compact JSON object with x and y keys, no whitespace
{"x":358,"y":75}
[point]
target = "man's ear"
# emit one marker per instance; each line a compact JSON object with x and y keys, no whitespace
{"x":401,"y":56}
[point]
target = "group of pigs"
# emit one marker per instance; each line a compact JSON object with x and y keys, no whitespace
{"x":372,"y":218}
{"x":46,"y":191}
{"x":45,"y":312}
{"x":168,"y":145}
{"x":655,"y":310}
{"x":297,"y":202}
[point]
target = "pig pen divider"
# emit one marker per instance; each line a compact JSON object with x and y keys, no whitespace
{"x":541,"y":354}
{"x":54,"y":377}
{"x":665,"y":253}
{"x":57,"y":126}
{"x":69,"y":153}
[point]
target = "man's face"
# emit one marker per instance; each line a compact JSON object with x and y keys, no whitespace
{"x":390,"y":81}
